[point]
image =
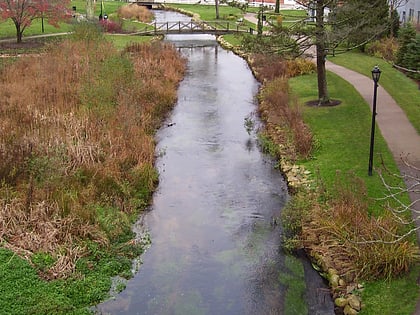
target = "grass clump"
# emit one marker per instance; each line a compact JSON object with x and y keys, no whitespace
{"x":135,"y":12}
{"x":360,"y":246}
{"x":283,"y":123}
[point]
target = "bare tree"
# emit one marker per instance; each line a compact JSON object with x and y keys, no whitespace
{"x":393,"y":6}
{"x":405,"y":214}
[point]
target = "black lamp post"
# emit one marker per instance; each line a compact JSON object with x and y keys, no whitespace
{"x":376,"y":74}
{"x":101,"y":14}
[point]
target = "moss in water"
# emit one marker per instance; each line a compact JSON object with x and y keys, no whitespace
{"x":233,"y":260}
{"x":294,"y":280}
{"x":191,"y":303}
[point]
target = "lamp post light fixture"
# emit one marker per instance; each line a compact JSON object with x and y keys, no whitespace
{"x":376,"y":74}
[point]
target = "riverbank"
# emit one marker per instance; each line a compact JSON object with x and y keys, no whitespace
{"x":354,"y":292}
{"x":77,"y":168}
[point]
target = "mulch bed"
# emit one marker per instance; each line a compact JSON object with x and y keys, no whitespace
{"x":315,"y":103}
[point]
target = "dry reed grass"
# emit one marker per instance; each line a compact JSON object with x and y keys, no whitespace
{"x":137,"y":12}
{"x":284,"y":121}
{"x":351,"y":241}
{"x":282,"y":116}
{"x":77,"y":128}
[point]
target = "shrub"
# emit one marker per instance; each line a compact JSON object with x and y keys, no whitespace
{"x":356,"y":244}
{"x":136,"y":12}
{"x":406,"y":35}
{"x":385,"y":48}
{"x":299,"y":66}
{"x":110,"y":26}
{"x":411,"y":58}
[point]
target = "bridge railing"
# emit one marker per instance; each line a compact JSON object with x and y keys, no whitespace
{"x":191,"y":27}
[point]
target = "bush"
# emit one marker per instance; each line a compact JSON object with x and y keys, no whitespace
{"x":136,"y":12}
{"x":356,"y":244}
{"x":110,"y":26}
{"x":406,"y":35}
{"x":299,"y":66}
{"x":385,"y":48}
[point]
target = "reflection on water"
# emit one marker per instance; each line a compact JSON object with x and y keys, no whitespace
{"x":215,"y":246}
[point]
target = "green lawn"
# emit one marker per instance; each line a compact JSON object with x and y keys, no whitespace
{"x":404,"y":90}
{"x":8,"y":29}
{"x":109,"y":6}
{"x":342,"y":134}
{"x":121,"y":41}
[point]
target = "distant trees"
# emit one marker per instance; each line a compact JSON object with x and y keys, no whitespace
{"x":23,"y":12}
{"x":358,"y":22}
{"x":408,"y":55}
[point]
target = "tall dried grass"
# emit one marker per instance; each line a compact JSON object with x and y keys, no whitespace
{"x":282,"y":116}
{"x":76,"y":134}
{"x":351,"y":241}
{"x":284,"y":121}
{"x":134,"y":11}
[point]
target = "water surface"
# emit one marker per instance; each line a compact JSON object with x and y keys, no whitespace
{"x":215,"y":242}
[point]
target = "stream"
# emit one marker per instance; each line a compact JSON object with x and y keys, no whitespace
{"x":216,"y":236}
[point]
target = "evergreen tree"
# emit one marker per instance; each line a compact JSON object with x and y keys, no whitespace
{"x":357,"y":22}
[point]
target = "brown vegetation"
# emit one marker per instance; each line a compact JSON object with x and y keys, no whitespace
{"x":77,"y":145}
{"x":357,"y":245}
{"x":385,"y":48}
{"x":282,"y":116}
{"x":134,"y":11}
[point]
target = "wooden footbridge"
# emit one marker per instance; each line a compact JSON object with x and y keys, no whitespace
{"x":194,"y":27}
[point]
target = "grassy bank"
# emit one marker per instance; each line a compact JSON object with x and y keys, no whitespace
{"x":342,"y":145}
{"x":77,"y":167}
{"x":341,"y":218}
{"x":344,"y":209}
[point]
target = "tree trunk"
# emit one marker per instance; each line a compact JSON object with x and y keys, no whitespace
{"x":18,"y":33}
{"x":217,"y":9}
{"x":321,"y":54}
{"x":277,"y":8}
{"x":89,"y":9}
